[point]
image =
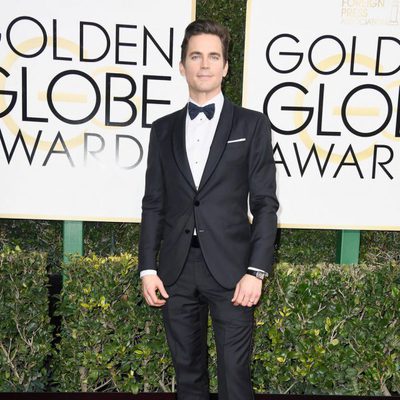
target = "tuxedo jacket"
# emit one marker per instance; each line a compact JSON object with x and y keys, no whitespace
{"x":239,"y":171}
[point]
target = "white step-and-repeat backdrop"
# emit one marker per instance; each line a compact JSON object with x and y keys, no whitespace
{"x":327,"y":75}
{"x":80,"y":84}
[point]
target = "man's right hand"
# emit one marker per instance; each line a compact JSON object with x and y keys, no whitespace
{"x":150,"y":285}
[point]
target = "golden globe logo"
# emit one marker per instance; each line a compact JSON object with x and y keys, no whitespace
{"x":80,"y":107}
{"x":341,"y":78}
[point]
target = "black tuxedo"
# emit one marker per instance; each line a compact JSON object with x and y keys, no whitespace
{"x":239,"y":169}
{"x":172,"y":206}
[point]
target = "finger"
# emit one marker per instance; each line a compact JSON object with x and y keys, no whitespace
{"x":240,"y":298}
{"x":245,"y":301}
{"x":235,"y":294}
{"x":157,"y":301}
{"x":147,"y":297}
{"x":153,"y":299}
{"x":254,"y":297}
{"x":252,"y":302}
{"x":162,"y":290}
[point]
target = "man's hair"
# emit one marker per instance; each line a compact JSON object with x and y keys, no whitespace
{"x":206,"y":26}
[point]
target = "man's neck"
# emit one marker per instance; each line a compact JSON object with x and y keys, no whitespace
{"x":203,"y":97}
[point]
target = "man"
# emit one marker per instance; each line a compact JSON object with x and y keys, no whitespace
{"x":206,"y":162}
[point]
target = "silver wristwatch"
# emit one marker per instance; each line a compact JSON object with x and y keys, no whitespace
{"x":258,"y":274}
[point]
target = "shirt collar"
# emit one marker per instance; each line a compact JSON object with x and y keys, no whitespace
{"x":218,"y":100}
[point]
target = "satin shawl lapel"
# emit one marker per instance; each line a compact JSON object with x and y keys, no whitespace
{"x":219,"y":142}
{"x":179,"y":147}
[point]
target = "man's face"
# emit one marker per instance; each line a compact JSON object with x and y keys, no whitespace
{"x":204,"y":67}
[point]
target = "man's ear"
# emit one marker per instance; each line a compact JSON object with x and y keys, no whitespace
{"x":182,"y":68}
{"x":226,"y":67}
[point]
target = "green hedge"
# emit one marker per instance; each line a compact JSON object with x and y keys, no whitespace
{"x":320,"y":329}
{"x":110,"y":340}
{"x":25,"y":331}
{"x":330,"y":329}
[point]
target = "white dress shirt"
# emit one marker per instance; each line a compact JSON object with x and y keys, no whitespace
{"x":199,"y":134}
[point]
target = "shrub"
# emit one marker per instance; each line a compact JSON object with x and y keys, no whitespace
{"x":330,"y":329}
{"x":25,"y":331}
{"x":110,"y":340}
{"x":320,"y":329}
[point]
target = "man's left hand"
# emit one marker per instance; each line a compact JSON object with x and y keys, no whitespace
{"x":247,"y":292}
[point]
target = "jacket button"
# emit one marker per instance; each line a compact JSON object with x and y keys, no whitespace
{"x":187,"y":230}
{"x":196,"y":203}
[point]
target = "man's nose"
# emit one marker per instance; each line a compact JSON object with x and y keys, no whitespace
{"x":204,"y":63}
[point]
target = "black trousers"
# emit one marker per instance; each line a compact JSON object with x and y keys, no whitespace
{"x":185,"y":317}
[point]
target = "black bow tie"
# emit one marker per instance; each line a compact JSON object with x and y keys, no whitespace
{"x":208,"y":110}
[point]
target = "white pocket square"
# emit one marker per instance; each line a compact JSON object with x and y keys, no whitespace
{"x":237,"y":140}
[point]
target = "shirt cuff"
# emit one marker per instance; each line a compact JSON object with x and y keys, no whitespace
{"x":148,"y":272}
{"x":257,"y":269}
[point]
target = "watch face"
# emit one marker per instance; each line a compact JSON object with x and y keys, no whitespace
{"x":260,"y":275}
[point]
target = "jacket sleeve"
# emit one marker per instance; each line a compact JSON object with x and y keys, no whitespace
{"x":262,"y":196}
{"x":152,"y":207}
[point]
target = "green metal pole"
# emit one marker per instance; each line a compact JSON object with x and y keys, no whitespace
{"x":347,"y":247}
{"x":73,"y":238}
